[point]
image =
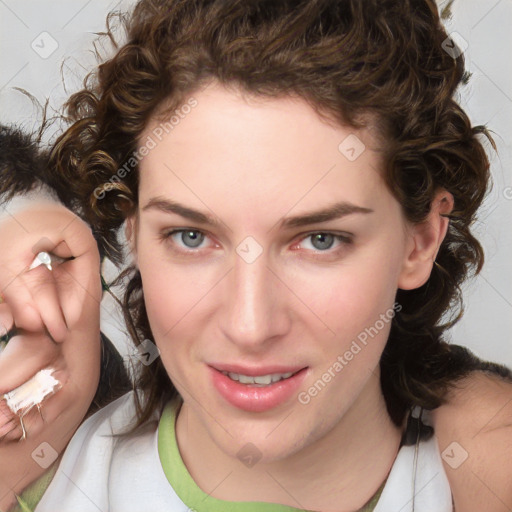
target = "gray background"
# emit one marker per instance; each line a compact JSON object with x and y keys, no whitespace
{"x":45,"y":48}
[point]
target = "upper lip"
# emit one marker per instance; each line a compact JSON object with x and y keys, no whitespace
{"x":255,"y":371}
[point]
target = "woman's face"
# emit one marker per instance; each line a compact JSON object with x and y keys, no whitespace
{"x":268,"y":245}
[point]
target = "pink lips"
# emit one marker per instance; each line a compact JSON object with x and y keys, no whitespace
{"x":255,"y":371}
{"x":253,"y":398}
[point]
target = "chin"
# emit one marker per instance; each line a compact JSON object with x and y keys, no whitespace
{"x":266,"y":443}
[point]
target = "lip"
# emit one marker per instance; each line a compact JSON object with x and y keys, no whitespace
{"x":255,"y":371}
{"x":253,"y":398}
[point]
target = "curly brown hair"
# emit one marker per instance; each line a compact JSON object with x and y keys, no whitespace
{"x":351,"y":60}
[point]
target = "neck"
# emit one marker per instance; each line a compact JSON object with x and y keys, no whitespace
{"x":338,"y":473}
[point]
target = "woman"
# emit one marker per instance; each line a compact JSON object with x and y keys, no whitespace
{"x":50,"y":320}
{"x":298,"y":187}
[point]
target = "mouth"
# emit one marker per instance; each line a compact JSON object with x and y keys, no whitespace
{"x":259,"y":380}
{"x":256,"y":389}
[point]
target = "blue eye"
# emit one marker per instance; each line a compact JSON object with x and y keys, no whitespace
{"x":322,"y":241}
{"x":187,"y":241}
{"x":193,"y":242}
{"x":189,"y":238}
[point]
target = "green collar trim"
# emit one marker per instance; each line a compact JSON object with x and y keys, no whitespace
{"x":31,"y":496}
{"x":191,"y":494}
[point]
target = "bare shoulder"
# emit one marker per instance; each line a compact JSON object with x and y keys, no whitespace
{"x":474,"y":433}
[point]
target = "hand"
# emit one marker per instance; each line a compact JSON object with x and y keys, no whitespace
{"x":55,"y":314}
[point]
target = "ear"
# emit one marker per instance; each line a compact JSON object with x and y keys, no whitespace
{"x":130,"y":231}
{"x":424,"y":241}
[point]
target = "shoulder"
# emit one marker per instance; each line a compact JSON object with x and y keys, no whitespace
{"x":474,"y":434}
{"x":112,"y":418}
{"x":83,"y":473}
{"x":98,"y":435}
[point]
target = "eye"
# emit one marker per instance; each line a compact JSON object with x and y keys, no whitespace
{"x":190,"y":238}
{"x":323,"y":241}
{"x":185,"y":238}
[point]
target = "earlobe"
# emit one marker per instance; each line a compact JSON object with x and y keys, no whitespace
{"x":424,"y":241}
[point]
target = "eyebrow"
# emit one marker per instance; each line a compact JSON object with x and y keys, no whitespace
{"x":333,"y":212}
{"x":336,"y":211}
{"x":168,"y":206}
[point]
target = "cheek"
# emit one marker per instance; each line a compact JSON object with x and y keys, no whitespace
{"x":174,"y":299}
{"x":174,"y":289}
{"x":352,"y":296}
{"x":169,"y":294}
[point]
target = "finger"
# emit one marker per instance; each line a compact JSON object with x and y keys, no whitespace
{"x":8,"y":422}
{"x":41,"y":283}
{"x":76,"y":274}
{"x":77,"y":237}
{"x":20,"y":301}
{"x":24,"y":355}
{"x":78,"y":279}
{"x":34,"y":301}
{"x":44,"y":307}
{"x":79,"y":288}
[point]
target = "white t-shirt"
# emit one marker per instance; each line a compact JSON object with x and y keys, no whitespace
{"x":99,"y":472}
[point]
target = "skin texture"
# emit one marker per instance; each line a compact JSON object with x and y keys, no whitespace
{"x":57,"y":316}
{"x":474,"y":430}
{"x":250,"y":162}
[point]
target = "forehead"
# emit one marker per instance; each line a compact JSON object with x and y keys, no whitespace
{"x":258,"y":151}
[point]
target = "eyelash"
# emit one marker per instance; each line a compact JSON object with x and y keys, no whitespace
{"x":343,"y":240}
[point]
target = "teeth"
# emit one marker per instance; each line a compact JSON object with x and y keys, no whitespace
{"x":263,"y":379}
{"x":259,"y":380}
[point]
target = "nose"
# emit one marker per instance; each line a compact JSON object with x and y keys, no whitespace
{"x":254,"y":305}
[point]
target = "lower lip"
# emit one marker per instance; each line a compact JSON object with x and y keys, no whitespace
{"x":253,"y":398}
